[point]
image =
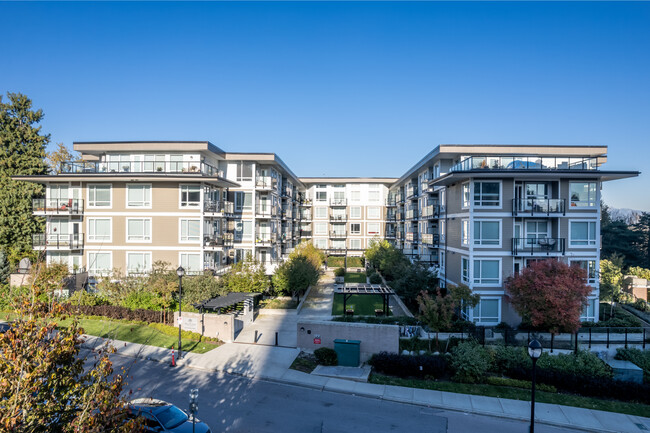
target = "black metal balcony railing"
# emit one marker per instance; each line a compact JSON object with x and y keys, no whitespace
{"x":226,"y":207}
{"x":338,"y":202}
{"x":338,"y":217}
{"x":521,"y":246}
{"x":338,"y":234}
{"x":266,"y":210}
{"x":305,"y":233}
{"x":537,"y":206}
{"x":58,"y":241}
{"x":431,"y":239}
{"x":525,"y":163}
{"x":411,"y":214}
{"x":399,"y":235}
{"x":411,"y":192}
{"x":391,"y":201}
{"x":213,"y":240}
{"x":431,"y":211}
{"x":390,"y":235}
{"x":265,"y":238}
{"x":151,"y":167}
{"x":391,"y":216}
{"x":59,"y":206}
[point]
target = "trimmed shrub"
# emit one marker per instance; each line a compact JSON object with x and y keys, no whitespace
{"x":326,"y":356}
{"x":581,"y":364}
{"x":506,"y":358}
{"x":375,"y":279}
{"x":470,"y":362}
{"x":514,"y":383}
{"x":393,"y":364}
{"x":173,"y":331}
{"x":639,"y":357}
{"x":116,"y":312}
{"x":81,"y":297}
{"x":391,"y":320}
{"x":339,"y":272}
{"x":641,"y":305}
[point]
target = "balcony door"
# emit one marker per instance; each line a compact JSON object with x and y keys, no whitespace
{"x":265,"y":231}
{"x":536,"y":230}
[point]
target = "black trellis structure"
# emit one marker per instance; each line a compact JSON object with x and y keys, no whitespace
{"x":348,"y":290}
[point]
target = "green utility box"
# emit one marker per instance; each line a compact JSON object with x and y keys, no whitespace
{"x":348,"y":352}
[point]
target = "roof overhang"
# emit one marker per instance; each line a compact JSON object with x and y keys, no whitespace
{"x":100,"y":147}
{"x":112,"y":177}
{"x":263,"y":158}
{"x":457,"y":176}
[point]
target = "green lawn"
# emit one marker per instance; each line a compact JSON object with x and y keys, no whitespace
{"x":338,"y":262}
{"x":515,"y":394}
{"x":363,"y":305}
{"x":355,"y":277}
{"x":279,"y":304}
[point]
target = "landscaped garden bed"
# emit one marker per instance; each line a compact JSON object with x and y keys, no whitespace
{"x":283,"y":303}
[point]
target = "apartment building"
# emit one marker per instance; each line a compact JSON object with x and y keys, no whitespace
{"x":481,"y":213}
{"x":475,"y":213}
{"x":342,"y":215}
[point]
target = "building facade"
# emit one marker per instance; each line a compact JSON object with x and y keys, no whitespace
{"x":474,"y":213}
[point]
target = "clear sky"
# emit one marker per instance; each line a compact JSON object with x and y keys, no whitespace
{"x":341,"y":89}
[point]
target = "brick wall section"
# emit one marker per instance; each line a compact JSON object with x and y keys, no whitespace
{"x":374,"y":338}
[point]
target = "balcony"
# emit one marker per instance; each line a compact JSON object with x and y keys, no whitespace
{"x":411,"y":214}
{"x":265,"y":211}
{"x":287,"y":191}
{"x":538,"y":246}
{"x":431,"y":211}
{"x":431,"y":239}
{"x":411,"y":192}
{"x":539,"y":207}
{"x":139,"y":167}
{"x":341,"y":218}
{"x":55,"y":241}
{"x":264,"y":183}
{"x":219,"y":207}
{"x":411,"y":237}
{"x":65,"y":206}
{"x":305,"y":215}
{"x":525,"y":163}
{"x":392,"y":202}
{"x":338,"y":202}
{"x":265,"y":239}
{"x":391,"y":216}
{"x":338,"y":234}
{"x":305,"y":203}
{"x":390,"y":235}
{"x":287,"y":214}
{"x":305,"y":233}
{"x":399,"y":235}
{"x":217,"y":241}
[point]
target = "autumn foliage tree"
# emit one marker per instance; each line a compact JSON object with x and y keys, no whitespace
{"x":438,"y":311}
{"x":550,"y":294}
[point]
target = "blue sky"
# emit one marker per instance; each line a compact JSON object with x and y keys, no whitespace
{"x":341,"y":89}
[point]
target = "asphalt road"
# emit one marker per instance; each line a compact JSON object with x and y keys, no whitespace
{"x":236,"y":404}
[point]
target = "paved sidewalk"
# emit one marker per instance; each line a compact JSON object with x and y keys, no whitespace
{"x":267,"y":325}
{"x":272,"y":364}
{"x":318,"y":305}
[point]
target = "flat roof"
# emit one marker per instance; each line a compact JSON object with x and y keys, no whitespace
{"x":269,"y":158}
{"x":99,"y":147}
{"x":309,"y":180}
{"x":228,"y":300}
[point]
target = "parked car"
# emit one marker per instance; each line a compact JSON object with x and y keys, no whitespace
{"x":5,"y":326}
{"x":161,"y":416}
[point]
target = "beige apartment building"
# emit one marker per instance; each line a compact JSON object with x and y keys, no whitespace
{"x":475,"y":214}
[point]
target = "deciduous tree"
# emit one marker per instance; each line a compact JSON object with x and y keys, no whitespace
{"x":550,"y":294}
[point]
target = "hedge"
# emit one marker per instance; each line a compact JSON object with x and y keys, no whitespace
{"x":116,"y":312}
{"x":409,"y":366}
{"x":326,"y":356}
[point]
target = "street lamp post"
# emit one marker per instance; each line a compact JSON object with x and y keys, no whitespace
{"x":180,"y":272}
{"x":194,"y":405}
{"x":534,"y":351}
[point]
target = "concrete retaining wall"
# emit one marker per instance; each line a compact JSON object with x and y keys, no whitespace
{"x":374,"y":338}
{"x":221,"y":326}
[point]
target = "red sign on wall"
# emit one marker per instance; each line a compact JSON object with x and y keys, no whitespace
{"x":317,"y":340}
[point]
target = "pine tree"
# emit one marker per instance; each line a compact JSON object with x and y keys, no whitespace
{"x":22,"y":152}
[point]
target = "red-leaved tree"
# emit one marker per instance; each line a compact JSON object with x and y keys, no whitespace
{"x":551,"y":294}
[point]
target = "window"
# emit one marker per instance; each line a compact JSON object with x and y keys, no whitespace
{"x":138,"y":195}
{"x":355,"y":212}
{"x":487,"y":311}
{"x":243,"y":201}
{"x":442,"y":263}
{"x":487,"y":194}
{"x":373,"y":228}
{"x":321,"y":212}
{"x":99,"y":230}
{"x":190,"y":230}
{"x":99,"y":195}
{"x":355,"y":196}
{"x":321,"y":195}
{"x":373,"y":196}
{"x":373,"y":213}
{"x":355,"y":229}
{"x":436,"y":171}
{"x":582,"y":233}
{"x":466,"y":195}
{"x":583,"y":194}
{"x":589,"y":266}
{"x":244,"y":171}
{"x":338,"y":244}
{"x":355,"y":244}
{"x":190,"y":195}
{"x":589,"y":312}
{"x":320,"y":228}
{"x":464,"y":229}
{"x":536,"y":230}
{"x":320,"y":243}
{"x":339,"y":194}
{"x":486,"y":271}
{"x":138,"y":263}
{"x":464,"y":269}
{"x":536,"y":191}
{"x":191,"y":262}
{"x":138,"y":229}
{"x":487,"y":233}
{"x":99,"y":263}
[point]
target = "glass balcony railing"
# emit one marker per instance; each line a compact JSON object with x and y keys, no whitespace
{"x":338,"y":234}
{"x":265,"y":211}
{"x":338,"y":217}
{"x":153,"y":167}
{"x":59,"y":206}
{"x":218,"y":206}
{"x":525,"y":163}
{"x":532,"y":245}
{"x":338,"y":202}
{"x":58,"y":241}
{"x":431,"y":239}
{"x":537,"y":206}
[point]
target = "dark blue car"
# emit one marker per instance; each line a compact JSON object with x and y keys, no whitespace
{"x":161,"y":416}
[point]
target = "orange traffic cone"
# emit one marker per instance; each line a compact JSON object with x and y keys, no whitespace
{"x":173,"y":361}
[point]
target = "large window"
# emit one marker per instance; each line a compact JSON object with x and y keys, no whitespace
{"x":320,"y":243}
{"x":464,"y":264}
{"x":373,"y":229}
{"x":487,"y":233}
{"x":589,"y":266}
{"x":99,"y":230}
{"x":466,"y":195}
{"x":487,"y":272}
{"x":243,"y":230}
{"x":138,"y":263}
{"x":99,"y":195}
{"x":355,"y":212}
{"x":191,"y":262}
{"x":373,"y":196}
{"x":583,"y":194}
{"x":355,"y":244}
{"x":138,"y":196}
{"x":190,"y":195}
{"x":355,"y":195}
{"x":487,"y":311}
{"x":589,"y":312}
{"x":487,"y":194}
{"x":243,"y":201}
{"x":373,"y":213}
{"x":244,"y":171}
{"x":320,"y":212}
{"x":320,"y":229}
{"x":582,"y":233}
{"x":138,"y":229}
{"x":190,"y":230}
{"x":99,"y":263}
{"x":464,"y":232}
{"x":321,"y":195}
{"x":355,"y":229}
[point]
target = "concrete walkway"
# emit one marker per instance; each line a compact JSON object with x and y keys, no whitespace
{"x":272,"y":364}
{"x":267,"y":325}
{"x":318,"y":305}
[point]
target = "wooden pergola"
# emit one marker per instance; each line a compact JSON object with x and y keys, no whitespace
{"x":348,"y":290}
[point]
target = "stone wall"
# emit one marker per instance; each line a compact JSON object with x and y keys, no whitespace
{"x":374,"y":338}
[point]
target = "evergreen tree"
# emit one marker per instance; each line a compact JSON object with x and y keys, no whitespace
{"x":22,"y":152}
